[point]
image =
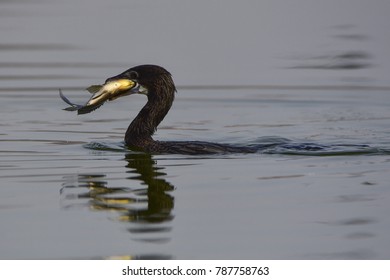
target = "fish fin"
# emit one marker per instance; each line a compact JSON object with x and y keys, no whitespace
{"x":73,"y":107}
{"x":63,"y":97}
{"x":94,"y":88}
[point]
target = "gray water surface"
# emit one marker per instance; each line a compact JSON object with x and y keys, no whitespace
{"x":303,"y":76}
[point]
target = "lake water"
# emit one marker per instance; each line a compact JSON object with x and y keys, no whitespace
{"x":310,"y":76}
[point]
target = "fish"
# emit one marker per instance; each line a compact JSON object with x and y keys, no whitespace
{"x":100,"y":94}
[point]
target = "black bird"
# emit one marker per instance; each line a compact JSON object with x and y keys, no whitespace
{"x":156,"y":83}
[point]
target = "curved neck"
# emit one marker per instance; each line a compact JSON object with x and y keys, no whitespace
{"x":141,"y":129}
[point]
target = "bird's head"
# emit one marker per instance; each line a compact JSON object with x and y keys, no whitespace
{"x":150,"y":80}
{"x":143,"y":79}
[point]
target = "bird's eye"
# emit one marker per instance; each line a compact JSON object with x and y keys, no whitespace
{"x":133,"y":75}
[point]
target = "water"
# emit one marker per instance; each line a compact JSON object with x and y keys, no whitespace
{"x":314,"y":81}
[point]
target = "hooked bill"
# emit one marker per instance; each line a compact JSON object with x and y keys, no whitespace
{"x":101,"y":93}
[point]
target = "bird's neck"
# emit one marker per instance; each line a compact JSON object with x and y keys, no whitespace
{"x":141,"y":129}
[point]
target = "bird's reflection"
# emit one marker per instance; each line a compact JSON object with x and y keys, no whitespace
{"x":159,"y":202}
{"x":145,"y":202}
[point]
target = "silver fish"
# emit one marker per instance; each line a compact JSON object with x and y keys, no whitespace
{"x":101,"y":93}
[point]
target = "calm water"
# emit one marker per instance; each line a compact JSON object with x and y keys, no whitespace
{"x":313,"y":80}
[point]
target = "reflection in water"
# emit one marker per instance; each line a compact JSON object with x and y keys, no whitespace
{"x":160,"y":203}
{"x":349,"y":32}
{"x":350,"y":59}
{"x":352,"y":37}
{"x":147,"y":209}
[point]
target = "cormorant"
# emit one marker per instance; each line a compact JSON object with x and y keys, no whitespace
{"x":157,"y":84}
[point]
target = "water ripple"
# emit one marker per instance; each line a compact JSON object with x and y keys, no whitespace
{"x":273,"y":145}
